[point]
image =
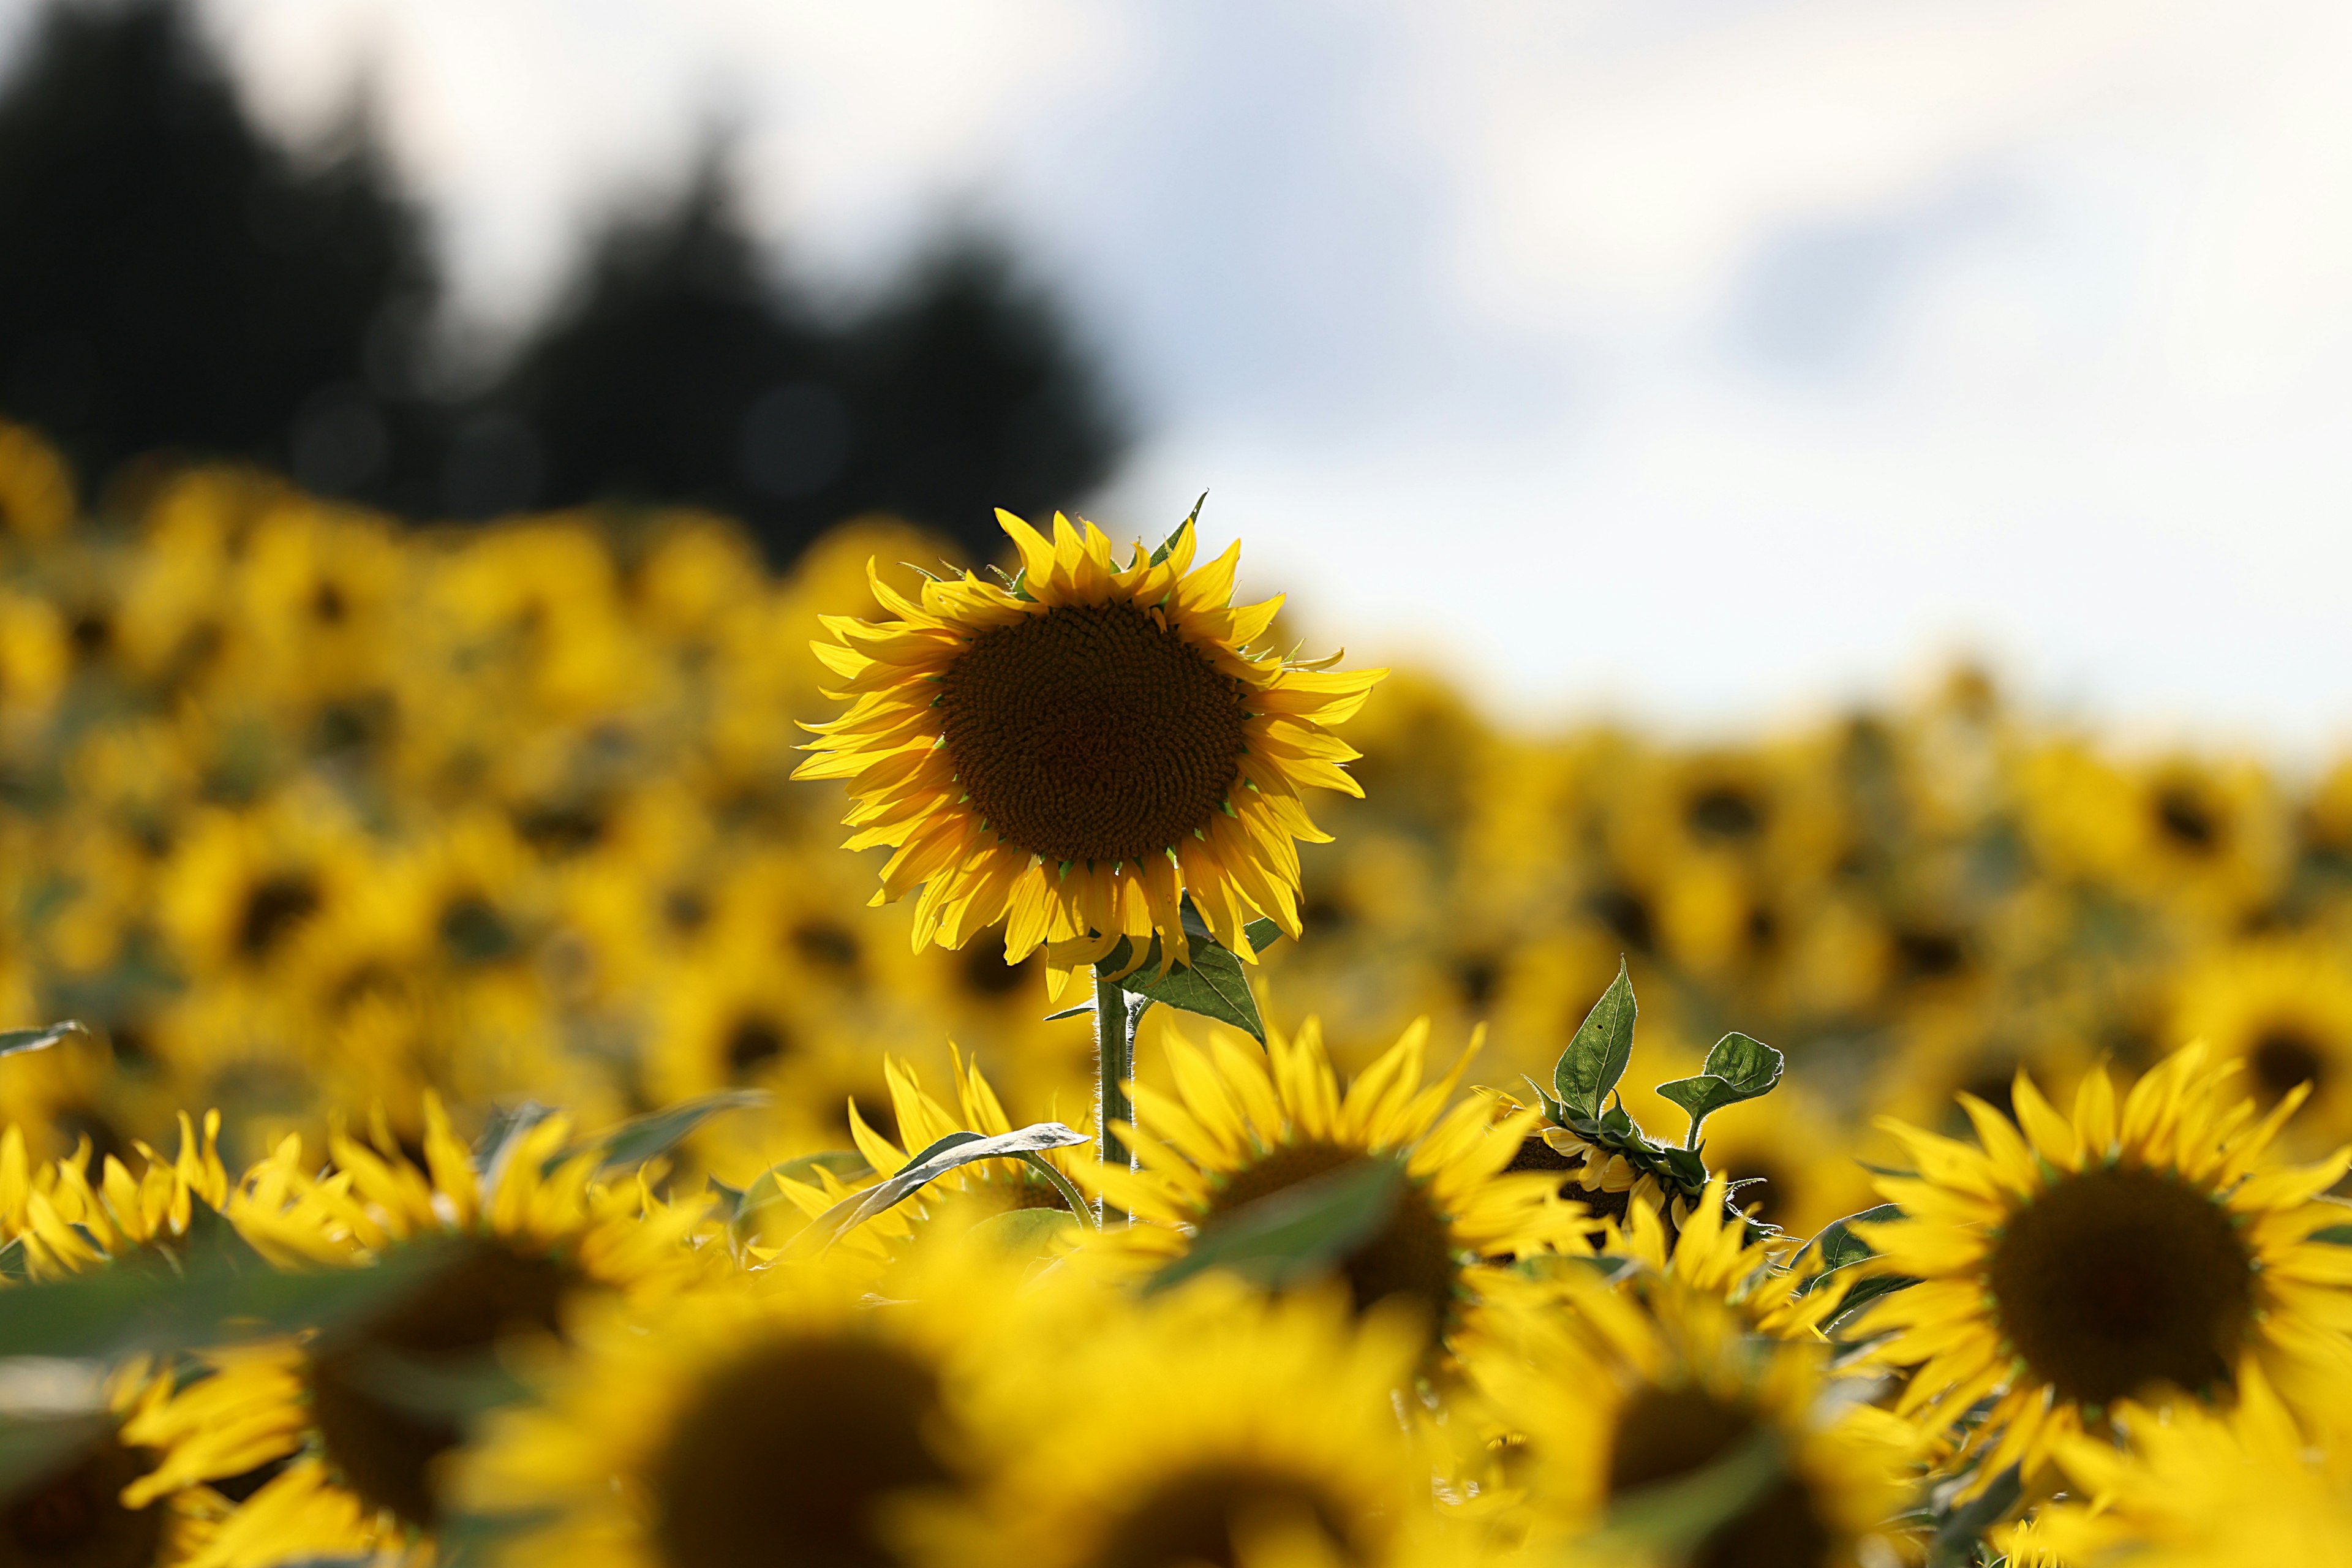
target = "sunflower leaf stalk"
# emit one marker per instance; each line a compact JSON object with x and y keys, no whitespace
{"x":1115,"y":1022}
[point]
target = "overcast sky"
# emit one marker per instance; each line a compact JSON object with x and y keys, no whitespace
{"x":1707,"y":357}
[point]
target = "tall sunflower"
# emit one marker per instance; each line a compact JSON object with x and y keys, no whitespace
{"x":1243,"y":1125}
{"x":1073,"y":751}
{"x":2145,"y":1251}
{"x":350,"y":1463}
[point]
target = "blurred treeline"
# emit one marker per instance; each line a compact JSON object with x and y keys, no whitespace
{"x":172,"y":284}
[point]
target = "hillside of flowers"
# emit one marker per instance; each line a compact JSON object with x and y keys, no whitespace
{"x":547,"y":1042}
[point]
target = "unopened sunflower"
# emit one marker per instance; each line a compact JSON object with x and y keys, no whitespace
{"x":2143,"y":1251}
{"x":1071,"y":752}
{"x":1243,"y":1124}
{"x":533,"y":1241}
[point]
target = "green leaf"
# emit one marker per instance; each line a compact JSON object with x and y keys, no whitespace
{"x":16,"y":1042}
{"x":1737,"y":1068}
{"x":1300,"y":1230}
{"x":1961,"y":1528}
{"x":1168,"y":545}
{"x":113,"y":1312}
{"x":954,"y":1150}
{"x":1027,"y":1233}
{"x":507,"y":1124}
{"x":1214,"y":985}
{"x":2334,"y":1236}
{"x":1595,"y":1059}
{"x":1863,"y":1293}
{"x":647,"y":1137}
{"x":1083,"y":1010}
{"x":1837,"y":1245}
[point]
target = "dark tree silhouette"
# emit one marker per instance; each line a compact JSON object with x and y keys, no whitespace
{"x":683,"y":372}
{"x":170,"y":282}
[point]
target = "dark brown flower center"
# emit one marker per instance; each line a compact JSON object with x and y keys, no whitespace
{"x":71,"y":1515}
{"x":1090,"y":732}
{"x":1190,"y":1517}
{"x":2282,"y":1056}
{"x":787,"y":1455}
{"x":373,"y":1387}
{"x":2188,"y":820}
{"x":1666,"y":1435}
{"x":2114,"y":1280}
{"x":1413,"y":1255}
{"x":273,"y":908}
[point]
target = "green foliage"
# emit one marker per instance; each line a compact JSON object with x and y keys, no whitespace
{"x":1296,"y":1232}
{"x":1213,"y":984}
{"x":207,"y":1295}
{"x":1737,"y":1068}
{"x":1585,"y":1079}
{"x":647,"y":1137}
{"x":16,"y":1042}
{"x":955,"y":1149}
{"x":1588,"y":1072}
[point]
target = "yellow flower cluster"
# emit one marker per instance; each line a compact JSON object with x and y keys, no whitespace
{"x":376,"y":844}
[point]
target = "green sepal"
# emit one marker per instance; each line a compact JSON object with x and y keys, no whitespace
{"x":1739,"y":1069}
{"x":1596,"y":1059}
{"x":1168,"y":545}
{"x":1297,"y":1231}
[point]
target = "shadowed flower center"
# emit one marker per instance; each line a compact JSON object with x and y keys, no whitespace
{"x":272,"y":909}
{"x":788,"y":1454}
{"x":73,"y":1517}
{"x":1091,"y":732}
{"x":371,"y":1386}
{"x":1191,"y":1518}
{"x":1413,"y":1254}
{"x":2117,"y":1279}
{"x":2283,"y":1057}
{"x":1666,"y":1435}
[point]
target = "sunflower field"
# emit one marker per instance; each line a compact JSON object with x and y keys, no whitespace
{"x":464,"y":1104}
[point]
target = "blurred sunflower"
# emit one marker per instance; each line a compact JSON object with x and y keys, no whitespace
{"x":1246,"y":1432}
{"x":66,"y":1224}
{"x":2141,"y":1252}
{"x":783,"y":1417}
{"x":1640,"y":1385}
{"x":1243,"y":1124}
{"x":1071,"y":753}
{"x":2245,"y":1491}
{"x":63,"y":1505}
{"x":2284,"y":1008}
{"x":347,"y":1420}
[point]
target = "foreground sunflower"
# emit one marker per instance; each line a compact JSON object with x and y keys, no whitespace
{"x":2247,"y":1490}
{"x":341,"y":1429}
{"x":2145,"y":1251}
{"x":787,"y":1416}
{"x":1244,"y":1432}
{"x":1071,"y":751}
{"x":1244,"y":1124}
{"x":1637,"y":1387}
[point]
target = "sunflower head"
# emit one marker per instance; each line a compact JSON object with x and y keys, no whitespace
{"x":1242,"y":1125}
{"x":1072,"y":750}
{"x":2141,"y":1250}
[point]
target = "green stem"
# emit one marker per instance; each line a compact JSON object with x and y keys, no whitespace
{"x":1114,"y":1067}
